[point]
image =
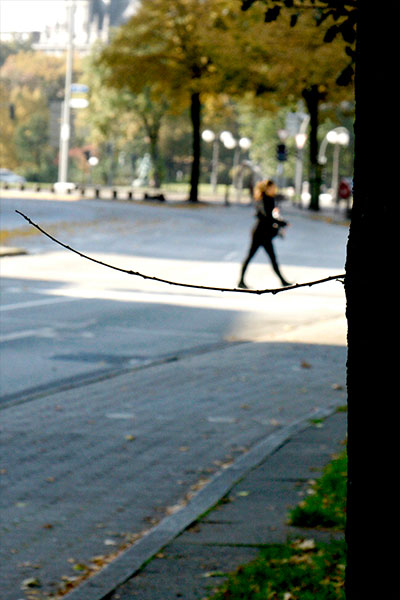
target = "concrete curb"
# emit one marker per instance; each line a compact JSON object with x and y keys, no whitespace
{"x":132,"y":560}
{"x":9,"y":251}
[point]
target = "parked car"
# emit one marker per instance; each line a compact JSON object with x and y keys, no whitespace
{"x":10,"y":177}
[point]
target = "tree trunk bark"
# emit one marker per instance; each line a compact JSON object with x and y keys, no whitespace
{"x":312,"y":97}
{"x":195,"y":114}
{"x":372,"y":365}
{"x":155,"y":158}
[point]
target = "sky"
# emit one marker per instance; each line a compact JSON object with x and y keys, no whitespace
{"x":29,"y":15}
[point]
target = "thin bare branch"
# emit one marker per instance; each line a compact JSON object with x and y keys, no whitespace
{"x":295,"y":286}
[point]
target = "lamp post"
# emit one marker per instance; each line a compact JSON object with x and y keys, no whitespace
{"x":209,"y":136}
{"x":230,"y":143}
{"x":244,"y":144}
{"x":338,"y":137}
{"x":93,"y":162}
{"x":65,"y":130}
{"x":300,"y":139}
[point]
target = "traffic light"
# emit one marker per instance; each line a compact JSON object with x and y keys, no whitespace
{"x":11,"y":108}
{"x":281,"y":152}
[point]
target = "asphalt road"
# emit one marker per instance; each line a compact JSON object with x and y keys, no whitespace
{"x":120,"y":394}
{"x":64,"y":319}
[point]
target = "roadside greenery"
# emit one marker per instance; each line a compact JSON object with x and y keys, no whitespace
{"x":169,"y":73}
{"x":301,"y":569}
{"x":325,"y":506}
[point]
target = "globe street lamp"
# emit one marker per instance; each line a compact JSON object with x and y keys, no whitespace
{"x":244,"y":143}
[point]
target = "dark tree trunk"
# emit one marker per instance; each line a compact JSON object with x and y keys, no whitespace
{"x":312,"y":97}
{"x":155,"y":158}
{"x":195,"y":115}
{"x":372,"y":367}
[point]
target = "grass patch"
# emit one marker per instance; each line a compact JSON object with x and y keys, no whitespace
{"x":325,"y":506}
{"x":303,"y":569}
{"x":300,"y":570}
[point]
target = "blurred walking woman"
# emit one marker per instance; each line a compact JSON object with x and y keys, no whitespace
{"x":266,"y":228}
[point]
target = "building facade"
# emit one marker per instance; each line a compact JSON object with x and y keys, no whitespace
{"x":92,"y":21}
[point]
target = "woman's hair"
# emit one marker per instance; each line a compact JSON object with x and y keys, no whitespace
{"x":262,"y":188}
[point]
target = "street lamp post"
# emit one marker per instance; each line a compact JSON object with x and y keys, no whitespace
{"x":65,"y":130}
{"x":338,"y":137}
{"x":244,"y":144}
{"x":230,"y":143}
{"x":237,"y":145}
{"x":93,"y":162}
{"x":209,"y":136}
{"x":300,"y":139}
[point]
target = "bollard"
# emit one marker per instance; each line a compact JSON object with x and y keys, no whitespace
{"x":226,"y":197}
{"x":115,"y":194}
{"x":97,"y":193}
{"x":159,"y":197}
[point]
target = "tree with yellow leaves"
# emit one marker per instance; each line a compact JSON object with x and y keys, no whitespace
{"x":297,"y":64}
{"x":178,"y":51}
{"x":189,"y":50}
{"x":29,"y":81}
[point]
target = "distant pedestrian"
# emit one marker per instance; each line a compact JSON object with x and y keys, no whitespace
{"x":267,"y":227}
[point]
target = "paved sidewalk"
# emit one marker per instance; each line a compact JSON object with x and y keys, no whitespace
{"x":248,"y":508}
{"x":252,"y":513}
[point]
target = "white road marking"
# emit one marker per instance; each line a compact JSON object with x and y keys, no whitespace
{"x":33,"y":303}
{"x":27,"y":333}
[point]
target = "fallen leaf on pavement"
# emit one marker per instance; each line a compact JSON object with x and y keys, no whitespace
{"x":337,"y":386}
{"x":31,"y":582}
{"x":304,"y":544}
{"x":80,"y":567}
